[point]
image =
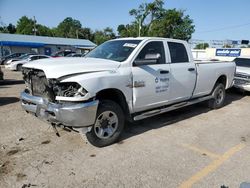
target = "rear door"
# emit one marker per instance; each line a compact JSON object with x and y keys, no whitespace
{"x":183,"y":73}
{"x":151,"y":81}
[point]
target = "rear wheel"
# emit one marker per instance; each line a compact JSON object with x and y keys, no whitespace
{"x":219,"y":95}
{"x":19,"y":67}
{"x":108,"y":126}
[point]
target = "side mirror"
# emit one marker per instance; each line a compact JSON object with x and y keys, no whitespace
{"x":149,"y":59}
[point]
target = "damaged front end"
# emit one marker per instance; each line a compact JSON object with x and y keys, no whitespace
{"x":56,"y":102}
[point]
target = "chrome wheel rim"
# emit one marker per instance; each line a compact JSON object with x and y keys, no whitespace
{"x":219,"y":96}
{"x":106,"y":125}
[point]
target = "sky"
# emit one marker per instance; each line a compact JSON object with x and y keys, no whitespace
{"x":213,"y":19}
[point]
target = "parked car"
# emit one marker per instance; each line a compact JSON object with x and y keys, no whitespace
{"x":1,"y":74}
{"x":11,"y":56}
{"x":17,"y":65}
{"x":122,"y":79}
{"x":242,"y":76}
{"x":62,"y":53}
{"x":24,"y":56}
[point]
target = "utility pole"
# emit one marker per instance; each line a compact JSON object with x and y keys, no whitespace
{"x":34,"y":26}
{"x":139,"y":27}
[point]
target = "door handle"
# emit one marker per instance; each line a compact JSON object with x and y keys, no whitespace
{"x":164,"y":72}
{"x":191,"y":69}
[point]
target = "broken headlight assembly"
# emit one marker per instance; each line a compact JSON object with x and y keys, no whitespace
{"x":69,"y":89}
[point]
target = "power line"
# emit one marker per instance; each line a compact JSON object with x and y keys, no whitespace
{"x":225,"y":28}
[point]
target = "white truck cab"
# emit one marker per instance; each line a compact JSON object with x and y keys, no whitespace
{"x":122,"y":79}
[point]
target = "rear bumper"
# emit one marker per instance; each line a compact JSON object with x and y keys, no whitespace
{"x":69,"y":114}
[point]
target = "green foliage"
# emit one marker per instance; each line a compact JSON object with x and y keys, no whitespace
{"x":69,"y":28}
{"x":43,"y":30}
{"x":9,"y":29}
{"x":201,"y":46}
{"x":151,"y":19}
{"x":86,"y":33}
{"x":129,"y":30}
{"x":157,"y":21}
{"x":102,"y":36}
{"x":25,"y":26}
{"x":29,"y":26}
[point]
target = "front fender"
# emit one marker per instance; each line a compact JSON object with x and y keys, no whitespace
{"x":98,"y":81}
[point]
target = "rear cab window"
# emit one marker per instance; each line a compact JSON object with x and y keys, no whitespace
{"x":178,"y":52}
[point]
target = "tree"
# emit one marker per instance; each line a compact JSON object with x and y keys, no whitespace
{"x":86,"y":33}
{"x":151,"y":19}
{"x":201,"y":46}
{"x":69,"y":28}
{"x":11,"y":28}
{"x":147,"y":11}
{"x":43,"y":30}
{"x":3,"y":29}
{"x":102,"y":36}
{"x":25,"y":26}
{"x":129,"y":30}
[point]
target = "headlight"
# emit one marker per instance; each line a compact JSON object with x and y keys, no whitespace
{"x":69,"y":89}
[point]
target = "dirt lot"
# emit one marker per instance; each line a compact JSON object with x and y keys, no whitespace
{"x":191,"y":147}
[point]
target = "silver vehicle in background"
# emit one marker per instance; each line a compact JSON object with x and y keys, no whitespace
{"x":16,"y":65}
{"x":242,"y":76}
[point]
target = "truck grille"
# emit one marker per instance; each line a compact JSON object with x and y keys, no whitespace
{"x":38,"y":84}
{"x":244,"y":76}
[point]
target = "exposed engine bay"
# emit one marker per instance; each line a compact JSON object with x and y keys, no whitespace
{"x":38,"y":85}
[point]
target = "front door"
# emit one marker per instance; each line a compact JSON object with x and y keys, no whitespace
{"x":151,"y":81}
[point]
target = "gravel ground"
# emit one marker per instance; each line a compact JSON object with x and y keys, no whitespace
{"x":190,"y":147}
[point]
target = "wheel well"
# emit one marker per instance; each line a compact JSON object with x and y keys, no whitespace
{"x":20,"y":64}
{"x":116,"y":96}
{"x":222,"y":80}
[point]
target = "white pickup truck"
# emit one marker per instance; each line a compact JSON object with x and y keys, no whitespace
{"x":122,"y":79}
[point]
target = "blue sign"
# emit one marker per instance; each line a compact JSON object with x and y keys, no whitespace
{"x":229,"y":52}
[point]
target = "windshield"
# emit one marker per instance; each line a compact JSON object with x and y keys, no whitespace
{"x":117,"y":50}
{"x":25,"y":56}
{"x":242,"y":62}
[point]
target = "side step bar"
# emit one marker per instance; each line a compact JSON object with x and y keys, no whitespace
{"x":170,"y":108}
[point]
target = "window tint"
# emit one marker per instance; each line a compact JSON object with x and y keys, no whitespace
{"x":34,"y":58}
{"x":42,"y":57}
{"x":153,"y":48}
{"x":178,"y":52}
{"x":242,"y":62}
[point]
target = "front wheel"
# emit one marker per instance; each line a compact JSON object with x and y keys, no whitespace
{"x":19,"y":67}
{"x":219,"y":95}
{"x":108,"y":125}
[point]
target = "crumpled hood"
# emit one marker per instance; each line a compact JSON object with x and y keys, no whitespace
{"x":58,"y":67}
{"x":243,"y":70}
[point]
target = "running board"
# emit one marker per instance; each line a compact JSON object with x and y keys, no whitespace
{"x":170,"y":108}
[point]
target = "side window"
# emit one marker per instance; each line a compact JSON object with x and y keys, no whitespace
{"x":34,"y":58}
{"x":178,"y":52}
{"x":153,"y":48}
{"x":42,"y":57}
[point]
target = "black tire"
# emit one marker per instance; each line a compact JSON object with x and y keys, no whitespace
{"x":219,"y":95}
{"x":106,"y":106}
{"x":19,"y":67}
